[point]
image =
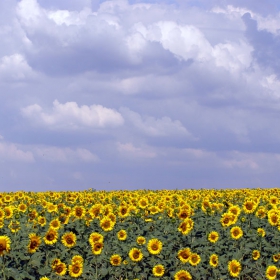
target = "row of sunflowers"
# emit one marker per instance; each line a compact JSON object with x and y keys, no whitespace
{"x":142,"y":234}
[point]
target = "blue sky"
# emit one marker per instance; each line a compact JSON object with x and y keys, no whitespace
{"x":139,"y":94}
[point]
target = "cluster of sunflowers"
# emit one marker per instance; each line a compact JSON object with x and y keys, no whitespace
{"x":143,"y":234}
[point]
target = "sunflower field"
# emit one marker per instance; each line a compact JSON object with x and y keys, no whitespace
{"x":142,"y":234}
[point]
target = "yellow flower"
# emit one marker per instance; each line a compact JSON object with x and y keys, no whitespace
{"x":143,"y":203}
{"x":79,"y":212}
{"x":22,"y":207}
{"x":77,"y":259}
{"x":249,"y":206}
{"x":42,"y":221}
{"x":227,"y":219}
{"x":261,"y":232}
{"x":44,"y":278}
{"x":256,"y":254}
{"x":186,"y":226}
{"x":154,"y":246}
{"x":34,"y":243}
{"x":213,"y":236}
{"x":135,"y":255}
{"x":14,"y":226}
{"x":271,"y":272}
{"x":276,"y":257}
{"x":273,"y":217}
{"x":97,"y":248}
{"x":55,"y":224}
{"x":5,"y":244}
{"x":236,"y":232}
{"x":8,"y":212}
{"x":184,"y":255}
{"x":95,"y":237}
{"x":141,"y":240}
{"x":194,"y":259}
{"x":106,"y":224}
{"x":182,"y":275}
{"x":123,"y":211}
{"x":234,"y":268}
{"x":51,"y":236}
{"x":75,"y":269}
{"x":2,"y":214}
{"x":158,"y":270}
{"x":214,"y":260}
{"x":122,"y":235}
{"x":115,"y":260}
{"x":60,"y":269}
{"x":235,"y":210}
{"x":69,"y":239}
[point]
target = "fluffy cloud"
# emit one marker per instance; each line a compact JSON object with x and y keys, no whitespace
{"x":128,"y":149}
{"x":12,"y":153}
{"x":156,"y":127}
{"x":71,"y":116}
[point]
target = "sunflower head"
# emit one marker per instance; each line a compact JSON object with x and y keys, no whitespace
{"x":97,"y":248}
{"x":184,"y":255}
{"x":135,"y":255}
{"x":214,"y":260}
{"x":213,"y":236}
{"x":69,"y":239}
{"x":5,"y":244}
{"x":51,"y":236}
{"x":95,"y":237}
{"x":60,"y":269}
{"x":234,"y":268}
{"x":34,"y":243}
{"x":182,"y":275}
{"x":115,"y":260}
{"x":75,"y":269}
{"x":154,"y":246}
{"x":271,"y":272}
{"x":256,"y":255}
{"x":141,"y":240}
{"x":194,"y":259}
{"x":236,"y":232}
{"x":122,"y":235}
{"x":158,"y":270}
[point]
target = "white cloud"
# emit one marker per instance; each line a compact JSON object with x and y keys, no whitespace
{"x":15,"y":68}
{"x":151,"y":126}
{"x":57,"y":154}
{"x":128,"y":149}
{"x":71,"y":116}
{"x":11,"y":152}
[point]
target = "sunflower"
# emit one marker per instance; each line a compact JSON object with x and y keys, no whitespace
{"x":214,"y":260}
{"x":123,"y":211}
{"x":115,"y":260}
{"x":34,"y":243}
{"x":77,"y":259}
{"x":273,"y":217}
{"x":22,"y":207}
{"x":184,"y":254}
{"x":141,"y":240}
{"x":75,"y":269}
{"x":154,"y":246}
{"x":51,"y":236}
{"x":235,"y":210}
{"x":158,"y":270}
{"x":143,"y":203}
{"x":276,"y":257}
{"x":183,"y":214}
{"x":97,"y":248}
{"x":261,"y":232}
{"x":213,"y":236}
{"x":186,"y":226}
{"x":44,"y":278}
{"x":60,"y":269}
{"x":106,"y":224}
{"x":14,"y":226}
{"x":55,"y":224}
{"x":122,"y":235}
{"x":261,"y":212}
{"x":194,"y":259}
{"x":8,"y":212}
{"x":271,"y":272}
{"x":69,"y":239}
{"x":135,"y":255}
{"x":5,"y":244}
{"x":182,"y":275}
{"x":249,"y":206}
{"x":227,"y":219}
{"x":2,"y":214}
{"x":256,"y":254}
{"x":79,"y":212}
{"x":234,"y":268}
{"x":236,"y":232}
{"x":42,"y":221}
{"x":95,"y":237}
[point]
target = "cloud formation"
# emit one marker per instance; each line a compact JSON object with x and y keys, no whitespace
{"x":141,"y":94}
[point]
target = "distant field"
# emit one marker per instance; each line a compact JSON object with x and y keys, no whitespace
{"x":143,"y":234}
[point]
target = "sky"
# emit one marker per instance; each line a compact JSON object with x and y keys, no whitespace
{"x":138,"y":94}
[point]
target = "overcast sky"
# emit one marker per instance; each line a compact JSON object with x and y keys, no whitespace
{"x":139,"y":94}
